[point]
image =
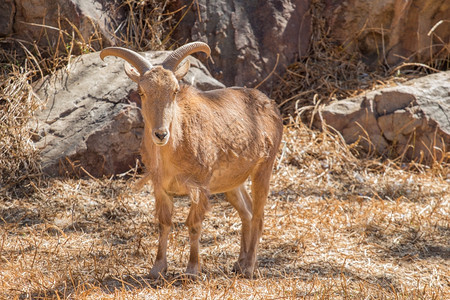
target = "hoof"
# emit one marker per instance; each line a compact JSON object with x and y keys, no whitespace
{"x":157,"y":272}
{"x":187,"y":278}
{"x":154,"y":275}
{"x":241,"y":268}
{"x":192,"y":270}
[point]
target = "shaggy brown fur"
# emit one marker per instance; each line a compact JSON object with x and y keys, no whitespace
{"x":201,"y":143}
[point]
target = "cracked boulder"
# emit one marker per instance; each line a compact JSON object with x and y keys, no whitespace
{"x":92,"y":123}
{"x":410,"y":120}
{"x":247,"y":36}
{"x":43,"y":21}
{"x":257,"y":36}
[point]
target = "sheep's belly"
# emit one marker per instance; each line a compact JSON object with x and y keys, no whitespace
{"x":223,"y":179}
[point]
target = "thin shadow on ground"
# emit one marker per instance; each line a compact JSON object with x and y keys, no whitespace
{"x":306,"y":273}
{"x":410,"y":244}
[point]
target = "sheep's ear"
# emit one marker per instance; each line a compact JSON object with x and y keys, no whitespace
{"x":182,"y":70}
{"x":131,"y":72}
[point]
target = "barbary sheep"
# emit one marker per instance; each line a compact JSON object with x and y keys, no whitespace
{"x":200,"y":143}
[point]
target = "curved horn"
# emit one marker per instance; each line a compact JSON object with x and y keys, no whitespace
{"x":134,"y":58}
{"x":172,"y":61}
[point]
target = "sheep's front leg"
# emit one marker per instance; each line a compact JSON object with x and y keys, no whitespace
{"x":194,"y":223}
{"x":164,"y":209}
{"x":193,"y":267}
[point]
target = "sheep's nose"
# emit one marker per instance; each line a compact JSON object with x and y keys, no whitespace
{"x":161,"y":134}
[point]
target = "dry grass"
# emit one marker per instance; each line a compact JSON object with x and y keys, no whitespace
{"x":336,"y":227}
{"x":329,"y":72}
{"x":146,"y":24}
{"x":18,"y":156}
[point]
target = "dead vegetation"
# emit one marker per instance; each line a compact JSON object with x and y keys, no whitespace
{"x":146,"y":24}
{"x":339,"y":224}
{"x":18,"y":156}
{"x":336,"y":227}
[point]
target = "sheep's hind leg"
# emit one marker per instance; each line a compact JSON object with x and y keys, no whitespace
{"x":164,"y":209}
{"x":242,"y":202}
{"x":260,"y":190}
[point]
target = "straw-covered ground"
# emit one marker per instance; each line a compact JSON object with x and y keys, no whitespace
{"x":339,"y":223}
{"x":336,"y":227}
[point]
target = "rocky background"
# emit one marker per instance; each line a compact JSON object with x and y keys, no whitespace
{"x":253,"y":32}
{"x":247,"y":35}
{"x":92,"y":121}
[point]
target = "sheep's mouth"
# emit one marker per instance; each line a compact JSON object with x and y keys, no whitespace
{"x":159,"y":142}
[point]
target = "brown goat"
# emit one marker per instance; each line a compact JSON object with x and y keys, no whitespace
{"x":201,"y":143}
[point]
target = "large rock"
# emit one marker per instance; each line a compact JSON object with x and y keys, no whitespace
{"x":7,"y":12}
{"x":92,"y":119}
{"x":410,"y":120}
{"x":246,"y":36}
{"x":41,"y":20}
{"x":390,"y":31}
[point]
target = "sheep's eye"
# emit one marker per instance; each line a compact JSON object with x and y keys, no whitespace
{"x":141,"y":93}
{"x":176,"y":91}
